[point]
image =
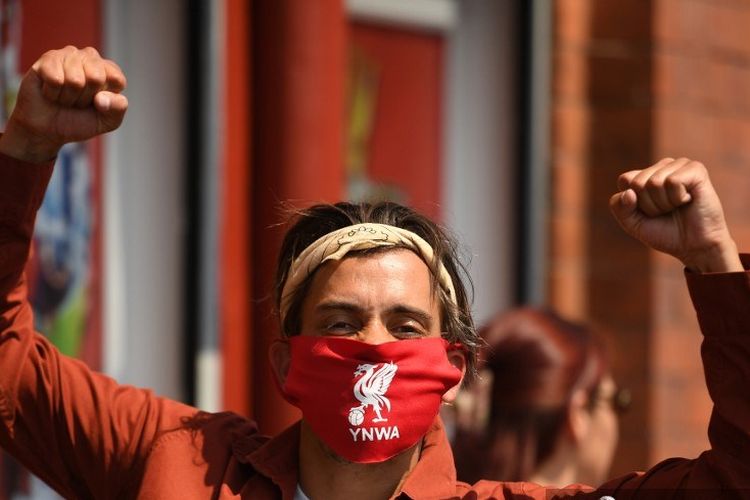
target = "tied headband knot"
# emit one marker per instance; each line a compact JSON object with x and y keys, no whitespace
{"x":336,"y":244}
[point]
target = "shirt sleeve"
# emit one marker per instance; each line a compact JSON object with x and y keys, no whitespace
{"x":722,"y":303}
{"x":79,"y":431}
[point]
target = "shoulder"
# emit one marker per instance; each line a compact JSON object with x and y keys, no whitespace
{"x":214,"y":430}
{"x":200,"y":456}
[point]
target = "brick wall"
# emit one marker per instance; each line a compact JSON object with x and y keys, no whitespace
{"x":701,"y":93}
{"x":635,"y":81}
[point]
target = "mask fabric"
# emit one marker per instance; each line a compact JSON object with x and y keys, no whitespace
{"x":368,"y":402}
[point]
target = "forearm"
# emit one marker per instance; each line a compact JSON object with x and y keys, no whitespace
{"x":22,"y":187}
{"x":722,"y":302}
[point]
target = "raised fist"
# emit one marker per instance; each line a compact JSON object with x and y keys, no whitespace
{"x":68,"y":95}
{"x":672,"y":207}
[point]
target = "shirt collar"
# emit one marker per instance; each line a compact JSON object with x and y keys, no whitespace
{"x":434,"y":475}
{"x":277,"y":460}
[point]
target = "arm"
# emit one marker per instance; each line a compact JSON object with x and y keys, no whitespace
{"x":78,"y":430}
{"x":672,"y":207}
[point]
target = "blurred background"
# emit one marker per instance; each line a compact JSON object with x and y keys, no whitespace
{"x":507,"y":120}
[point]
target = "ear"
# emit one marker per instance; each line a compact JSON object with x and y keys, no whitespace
{"x":280,"y":357}
{"x":457,"y":358}
{"x":579,"y":416}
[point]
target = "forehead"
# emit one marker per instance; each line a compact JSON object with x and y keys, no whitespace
{"x":382,"y":278}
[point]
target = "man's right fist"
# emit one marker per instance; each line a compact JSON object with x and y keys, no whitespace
{"x":672,"y":207}
{"x":68,"y":95}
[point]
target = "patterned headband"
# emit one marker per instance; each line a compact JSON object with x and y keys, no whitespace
{"x":336,"y":244}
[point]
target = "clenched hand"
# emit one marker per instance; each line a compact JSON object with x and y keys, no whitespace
{"x":672,"y":207}
{"x":68,"y":95}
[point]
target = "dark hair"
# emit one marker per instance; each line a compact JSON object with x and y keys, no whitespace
{"x":319,"y":220}
{"x":537,"y":360}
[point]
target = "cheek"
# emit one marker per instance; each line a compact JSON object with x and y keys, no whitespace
{"x":604,"y":431}
{"x":608,"y":430}
{"x":615,"y":424}
{"x":603,"y":442}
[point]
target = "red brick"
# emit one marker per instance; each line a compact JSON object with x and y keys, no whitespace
{"x":683,"y":79}
{"x":572,"y":20}
{"x":728,"y":87}
{"x":678,"y":384}
{"x":729,"y":24}
{"x":567,"y":240}
{"x":570,"y":130}
{"x":729,"y":149}
{"x":615,"y":19}
{"x":569,"y":185}
{"x":570,"y":70}
{"x":620,"y":75}
{"x":683,"y":132}
{"x":566,"y":290}
{"x":681,"y":22}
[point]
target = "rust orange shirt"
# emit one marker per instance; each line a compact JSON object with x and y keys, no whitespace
{"x":89,"y":437}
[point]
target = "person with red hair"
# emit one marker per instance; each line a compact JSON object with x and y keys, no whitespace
{"x":545,"y":406}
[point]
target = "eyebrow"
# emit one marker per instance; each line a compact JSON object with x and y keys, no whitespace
{"x":418,"y":314}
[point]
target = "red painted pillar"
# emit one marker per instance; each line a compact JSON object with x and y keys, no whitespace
{"x":298,"y":93}
{"x":235,"y":303}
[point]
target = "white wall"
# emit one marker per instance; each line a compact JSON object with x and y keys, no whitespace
{"x":480,"y":157}
{"x":143,"y":197}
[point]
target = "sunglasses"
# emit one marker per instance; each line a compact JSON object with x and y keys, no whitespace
{"x":620,"y":399}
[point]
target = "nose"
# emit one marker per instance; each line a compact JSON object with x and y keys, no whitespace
{"x":375,"y":333}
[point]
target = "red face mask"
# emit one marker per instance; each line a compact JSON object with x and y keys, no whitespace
{"x":368,"y":402}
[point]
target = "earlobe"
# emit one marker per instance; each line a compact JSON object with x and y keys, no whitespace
{"x":457,"y":358}
{"x":280,"y":357}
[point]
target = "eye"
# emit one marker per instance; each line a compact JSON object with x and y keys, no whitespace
{"x":409,"y":329}
{"x":340,"y":327}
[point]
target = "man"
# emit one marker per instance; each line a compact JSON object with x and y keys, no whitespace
{"x":376,"y":330}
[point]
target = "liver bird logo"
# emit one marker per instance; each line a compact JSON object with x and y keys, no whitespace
{"x":370,"y":391}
